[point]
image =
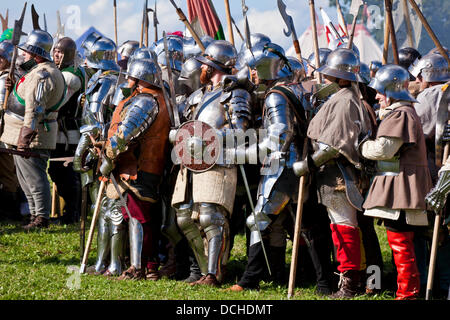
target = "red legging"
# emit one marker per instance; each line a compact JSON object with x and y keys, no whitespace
{"x":142,"y":211}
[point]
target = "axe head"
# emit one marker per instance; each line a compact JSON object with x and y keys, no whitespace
{"x":354,"y":7}
{"x":17,"y":33}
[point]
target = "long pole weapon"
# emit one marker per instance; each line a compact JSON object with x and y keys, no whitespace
{"x":115,"y":26}
{"x":237,"y":29}
{"x":429,"y":30}
{"x":17,"y":32}
{"x":189,"y":26}
{"x":92,"y":228}
{"x":354,"y":10}
{"x":341,"y":15}
{"x":408,"y":23}
{"x":176,"y":117}
{"x":144,"y":13}
{"x":230,"y":26}
{"x":390,"y":21}
{"x":386,"y":43}
{"x":315,"y":40}
{"x":155,"y":23}
{"x":290,"y":29}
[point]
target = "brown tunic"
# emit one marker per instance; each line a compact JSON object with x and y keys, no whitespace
{"x":408,"y":189}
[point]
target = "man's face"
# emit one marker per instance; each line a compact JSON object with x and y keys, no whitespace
{"x":423,"y":84}
{"x":58,"y":55}
{"x":205,"y":76}
{"x":382,"y":99}
{"x":27,"y":56}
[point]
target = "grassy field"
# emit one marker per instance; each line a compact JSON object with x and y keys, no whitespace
{"x":43,"y":265}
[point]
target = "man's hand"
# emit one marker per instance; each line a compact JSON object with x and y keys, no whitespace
{"x":26,"y":135}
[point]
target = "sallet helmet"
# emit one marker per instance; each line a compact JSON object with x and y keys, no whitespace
{"x":432,"y":67}
{"x":127,"y":48}
{"x":221,"y":55}
{"x":175,"y":48}
{"x":190,"y":74}
{"x":6,"y":50}
{"x":100,"y":52}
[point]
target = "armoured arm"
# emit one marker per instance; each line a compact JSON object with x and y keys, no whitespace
{"x":382,"y":148}
{"x":139,"y":115}
{"x":84,"y":153}
{"x":99,"y":97}
{"x":437,"y":196}
{"x":318,"y":158}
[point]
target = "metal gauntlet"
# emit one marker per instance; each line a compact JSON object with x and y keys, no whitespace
{"x":437,"y":196}
{"x":321,"y":156}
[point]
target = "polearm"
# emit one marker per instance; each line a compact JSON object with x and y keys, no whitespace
{"x":230,"y":26}
{"x":115,"y":26}
{"x":354,"y":10}
{"x":386,"y":43}
{"x":176,"y":117}
{"x":341,"y":15}
{"x":101,"y":189}
{"x":429,"y":30}
{"x":189,"y":26}
{"x":390,"y":21}
{"x":35,"y":18}
{"x":147,"y":10}
{"x":297,"y":227}
{"x":4,"y":20}
{"x":144,"y":13}
{"x":248,"y":40}
{"x":407,"y":23}
{"x":312,"y":10}
{"x":165,"y":95}
{"x":17,"y":32}
{"x":155,"y":23}
{"x":290,"y":29}
{"x":83,"y":220}
{"x":237,"y":29}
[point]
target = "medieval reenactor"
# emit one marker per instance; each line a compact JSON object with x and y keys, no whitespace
{"x":211,"y":193}
{"x":9,"y":192}
{"x":335,"y":131}
{"x":135,"y":153}
{"x":31,"y":122}
{"x":96,"y":113}
{"x":397,"y":192}
{"x":64,"y":52}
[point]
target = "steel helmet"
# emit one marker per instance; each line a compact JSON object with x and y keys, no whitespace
{"x":190,"y":74}
{"x":38,"y":42}
{"x":342,"y":63}
{"x":175,"y":48}
{"x":100,"y":52}
{"x":127,"y":48}
{"x":323,"y":55}
{"x":392,"y":81}
{"x":191,"y":48}
{"x":6,"y":50}
{"x":432,"y":67}
{"x":221,"y":55}
{"x":145,"y":70}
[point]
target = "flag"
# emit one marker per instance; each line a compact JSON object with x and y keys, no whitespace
{"x":330,"y":30}
{"x":342,"y":28}
{"x":204,"y":19}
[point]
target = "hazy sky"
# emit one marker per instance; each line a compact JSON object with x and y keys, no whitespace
{"x":263,"y":16}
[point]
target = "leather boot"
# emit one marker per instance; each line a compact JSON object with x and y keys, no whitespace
{"x":349,"y":283}
{"x":408,"y":277}
{"x":38,"y":222}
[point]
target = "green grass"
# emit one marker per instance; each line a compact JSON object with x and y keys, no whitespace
{"x":43,"y":265}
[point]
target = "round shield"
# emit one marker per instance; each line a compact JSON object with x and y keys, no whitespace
{"x":197,"y":146}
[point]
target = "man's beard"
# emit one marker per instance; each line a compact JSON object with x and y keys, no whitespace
{"x":205,"y":76}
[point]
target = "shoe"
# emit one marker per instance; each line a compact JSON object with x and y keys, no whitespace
{"x":193,"y":277}
{"x":348,"y":285}
{"x":153,"y":275}
{"x":235,"y":288}
{"x":209,"y":280}
{"x":132,"y":274}
{"x":38,"y":222}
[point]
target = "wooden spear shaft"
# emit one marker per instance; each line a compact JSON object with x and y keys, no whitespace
{"x":386,"y":42}
{"x":390,"y":21}
{"x":315,"y":40}
{"x":429,"y":30}
{"x":408,"y":23}
{"x":230,"y":26}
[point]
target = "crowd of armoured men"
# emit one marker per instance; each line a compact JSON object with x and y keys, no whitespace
{"x":131,"y":118}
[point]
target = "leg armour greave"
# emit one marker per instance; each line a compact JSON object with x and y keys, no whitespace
{"x":213,"y":222}
{"x":117,"y":238}
{"x":103,"y":237}
{"x":192,"y":233}
{"x":136,"y":234}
